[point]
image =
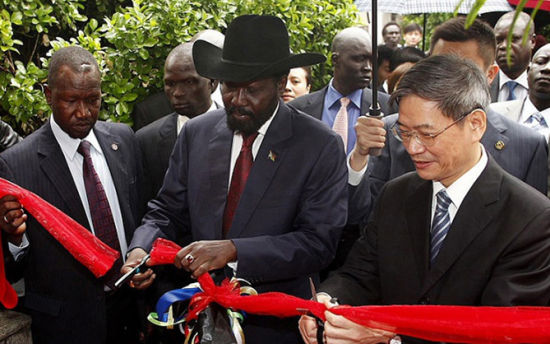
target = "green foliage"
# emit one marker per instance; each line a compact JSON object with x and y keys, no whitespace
{"x":432,"y":20}
{"x":132,"y":40}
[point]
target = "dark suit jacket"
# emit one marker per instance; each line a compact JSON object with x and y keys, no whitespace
{"x":156,"y":141}
{"x":494,"y":88}
{"x":290,"y":214}
{"x":150,"y":109}
{"x":313,"y":103}
{"x":65,"y":300}
{"x":497,"y":251}
{"x":519,"y":150}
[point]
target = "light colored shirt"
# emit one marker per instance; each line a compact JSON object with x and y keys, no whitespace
{"x":182,"y":119}
{"x":521,"y":91}
{"x":458,"y":190}
{"x":529,"y":109}
{"x":331,"y":106}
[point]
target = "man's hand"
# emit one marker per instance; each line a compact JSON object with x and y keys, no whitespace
{"x":12,"y":219}
{"x":370,"y":133}
{"x":203,"y":256}
{"x":308,"y":325}
{"x":343,"y":331}
{"x":140,"y":280}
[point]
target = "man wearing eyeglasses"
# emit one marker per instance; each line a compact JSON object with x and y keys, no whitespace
{"x":458,"y":231}
{"x":520,"y":152}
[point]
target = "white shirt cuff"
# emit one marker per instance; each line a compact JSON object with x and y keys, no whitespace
{"x":355,"y":177}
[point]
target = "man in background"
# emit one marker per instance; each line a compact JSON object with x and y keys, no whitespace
{"x":511,"y":82}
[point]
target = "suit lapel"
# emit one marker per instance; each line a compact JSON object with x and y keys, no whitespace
{"x":270,"y":156}
{"x":116,"y":156}
{"x":494,"y":139}
{"x":478,"y":209}
{"x":418,"y":224}
{"x":515,"y":109}
{"x":315,"y":103}
{"x":54,"y":166}
{"x":493,"y":89}
{"x":366,"y":100}
{"x":219,"y":156}
{"x":167,"y":137}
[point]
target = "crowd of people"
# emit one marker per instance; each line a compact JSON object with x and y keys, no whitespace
{"x":442,"y":201}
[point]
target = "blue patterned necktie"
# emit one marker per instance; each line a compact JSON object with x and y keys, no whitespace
{"x":441,"y":223}
{"x":537,"y":122}
{"x":511,"y":87}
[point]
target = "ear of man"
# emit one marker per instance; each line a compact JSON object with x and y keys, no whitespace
{"x":477,"y":121}
{"x":492,"y":72}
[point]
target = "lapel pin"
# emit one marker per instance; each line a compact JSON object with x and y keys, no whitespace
{"x":499,"y":145}
{"x":272,"y":156}
{"x":114,"y":146}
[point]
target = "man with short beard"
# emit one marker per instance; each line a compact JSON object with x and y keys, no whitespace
{"x":260,"y":186}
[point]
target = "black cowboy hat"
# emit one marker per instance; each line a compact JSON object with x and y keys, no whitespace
{"x":255,"y":47}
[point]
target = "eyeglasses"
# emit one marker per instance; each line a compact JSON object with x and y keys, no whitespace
{"x":425,"y":139}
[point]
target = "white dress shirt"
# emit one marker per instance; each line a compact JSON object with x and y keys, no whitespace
{"x":521,"y":91}
{"x":529,"y":109}
{"x":460,"y":188}
{"x":75,"y":161}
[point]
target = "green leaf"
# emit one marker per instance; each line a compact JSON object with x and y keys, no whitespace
{"x":16,"y":18}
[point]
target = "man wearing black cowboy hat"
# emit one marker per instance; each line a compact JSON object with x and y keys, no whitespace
{"x":262,"y":185}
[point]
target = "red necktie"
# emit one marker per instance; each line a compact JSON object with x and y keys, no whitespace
{"x":102,"y":218}
{"x":238,"y":181}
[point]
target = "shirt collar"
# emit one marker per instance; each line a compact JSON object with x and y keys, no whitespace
{"x":70,"y":145}
{"x":458,"y":190}
{"x":334,"y":96}
{"x":522,"y":80}
{"x":530,"y":109}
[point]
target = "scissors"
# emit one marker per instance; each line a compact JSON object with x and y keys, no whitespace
{"x":320,"y":324}
{"x":132,"y":272}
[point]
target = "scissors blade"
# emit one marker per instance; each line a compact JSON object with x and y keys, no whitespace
{"x":320,"y":324}
{"x":313,"y":291}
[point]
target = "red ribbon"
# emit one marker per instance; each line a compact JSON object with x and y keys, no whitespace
{"x":80,"y":242}
{"x":460,"y":324}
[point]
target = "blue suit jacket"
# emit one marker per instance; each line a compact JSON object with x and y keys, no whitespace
{"x":517,"y":149}
{"x":290,"y":214}
{"x":65,"y":300}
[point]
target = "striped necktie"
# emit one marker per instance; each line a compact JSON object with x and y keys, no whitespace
{"x":441,"y":223}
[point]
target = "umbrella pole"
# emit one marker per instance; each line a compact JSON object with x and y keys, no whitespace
{"x":374,"y":110}
{"x":424,"y":33}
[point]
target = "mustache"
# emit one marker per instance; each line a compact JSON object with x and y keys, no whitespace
{"x":240,"y":110}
